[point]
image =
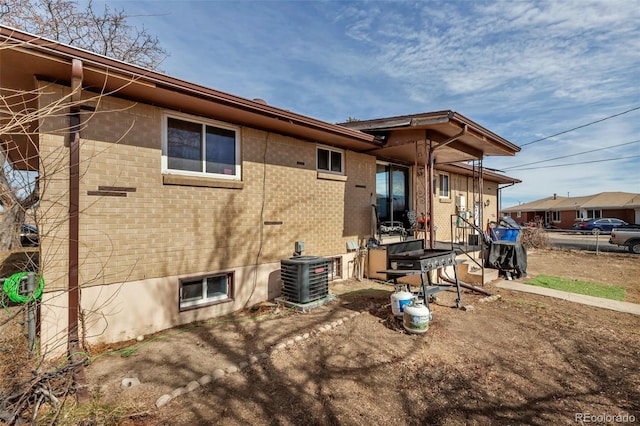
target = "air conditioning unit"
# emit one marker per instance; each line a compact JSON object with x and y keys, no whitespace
{"x":304,"y":278}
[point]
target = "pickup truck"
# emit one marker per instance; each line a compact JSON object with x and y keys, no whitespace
{"x":627,"y":236}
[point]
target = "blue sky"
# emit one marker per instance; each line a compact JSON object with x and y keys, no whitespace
{"x":525,"y":70}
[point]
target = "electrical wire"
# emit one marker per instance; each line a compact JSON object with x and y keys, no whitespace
{"x":581,"y":126}
{"x":11,"y":287}
{"x":581,"y":162}
{"x":570,"y":155}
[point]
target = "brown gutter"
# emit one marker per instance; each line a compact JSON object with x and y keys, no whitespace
{"x":73,"y":346}
{"x":482,"y":132}
{"x":133,"y":73}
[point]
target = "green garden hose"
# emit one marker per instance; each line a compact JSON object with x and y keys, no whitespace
{"x":11,"y":286}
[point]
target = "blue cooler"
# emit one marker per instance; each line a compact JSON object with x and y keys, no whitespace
{"x":504,"y":234}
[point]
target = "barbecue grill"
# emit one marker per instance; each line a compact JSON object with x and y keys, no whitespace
{"x":404,"y":259}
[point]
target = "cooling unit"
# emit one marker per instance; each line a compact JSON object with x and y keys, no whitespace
{"x":304,"y":278}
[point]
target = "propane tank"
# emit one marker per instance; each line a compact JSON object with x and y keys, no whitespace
{"x":399,"y":299}
{"x":416,"y":317}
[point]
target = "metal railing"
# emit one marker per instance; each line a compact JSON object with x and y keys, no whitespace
{"x":461,"y":224}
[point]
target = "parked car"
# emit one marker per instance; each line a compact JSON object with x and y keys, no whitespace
{"x":29,"y":236}
{"x":628,"y":236}
{"x":599,"y":226}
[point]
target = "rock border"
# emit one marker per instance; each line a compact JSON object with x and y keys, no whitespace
{"x":219,"y":373}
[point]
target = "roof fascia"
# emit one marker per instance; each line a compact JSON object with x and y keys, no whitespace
{"x":53,"y":49}
{"x":466,"y":170}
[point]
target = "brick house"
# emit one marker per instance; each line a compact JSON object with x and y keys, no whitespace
{"x":139,"y":234}
{"x":563,"y":212}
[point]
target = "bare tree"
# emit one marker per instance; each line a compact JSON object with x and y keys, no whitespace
{"x":108,"y":33}
{"x":29,"y":380}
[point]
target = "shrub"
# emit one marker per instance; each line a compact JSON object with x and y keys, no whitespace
{"x":534,"y":238}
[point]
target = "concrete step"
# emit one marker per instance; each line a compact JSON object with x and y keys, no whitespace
{"x":471,"y":273}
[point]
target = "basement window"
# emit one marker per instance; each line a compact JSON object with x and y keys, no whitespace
{"x":205,"y":290}
{"x":335,"y":268}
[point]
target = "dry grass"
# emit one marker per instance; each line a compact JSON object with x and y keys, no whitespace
{"x":16,"y":364}
{"x":534,"y":238}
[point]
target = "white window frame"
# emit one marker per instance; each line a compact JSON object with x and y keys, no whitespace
{"x":203,"y":122}
{"x":330,"y":150}
{"x":442,"y":194}
{"x":555,"y":216}
{"x":593,"y":213}
{"x":584,"y":214}
{"x":204,"y":300}
{"x":519,"y":213}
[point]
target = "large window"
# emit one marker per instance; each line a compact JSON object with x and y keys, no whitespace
{"x":330,"y":160}
{"x":594,"y":214}
{"x":201,"y":148}
{"x":588,"y":214}
{"x":205,"y":290}
{"x":444,"y":186}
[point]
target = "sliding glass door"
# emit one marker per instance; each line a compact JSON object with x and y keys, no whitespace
{"x":392,"y":192}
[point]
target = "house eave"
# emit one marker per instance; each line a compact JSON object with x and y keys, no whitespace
{"x":401,"y":133}
{"x":51,"y":61}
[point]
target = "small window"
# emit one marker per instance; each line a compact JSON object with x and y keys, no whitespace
{"x":330,"y":160}
{"x":444,"y":186}
{"x":205,"y":290}
{"x":518,"y":214}
{"x":199,"y":148}
{"x":555,"y":216}
{"x":335,"y":268}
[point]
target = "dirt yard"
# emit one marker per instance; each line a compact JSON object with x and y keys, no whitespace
{"x":521,"y":359}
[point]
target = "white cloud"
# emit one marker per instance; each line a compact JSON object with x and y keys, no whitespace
{"x":524,"y":69}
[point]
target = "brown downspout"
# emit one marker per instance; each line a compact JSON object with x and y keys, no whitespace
{"x":481,"y":191}
{"x":431,"y":159}
{"x":499,"y":206}
{"x":74,"y":209}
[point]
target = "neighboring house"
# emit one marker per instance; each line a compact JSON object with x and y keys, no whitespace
{"x":563,"y":212}
{"x":164,"y":202}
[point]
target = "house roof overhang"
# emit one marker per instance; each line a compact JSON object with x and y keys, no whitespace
{"x":452,"y":136}
{"x":26,"y":58}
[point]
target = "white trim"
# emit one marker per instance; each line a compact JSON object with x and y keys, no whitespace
{"x":331,"y":149}
{"x":205,"y":300}
{"x":165,"y":170}
{"x":448,"y":196}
